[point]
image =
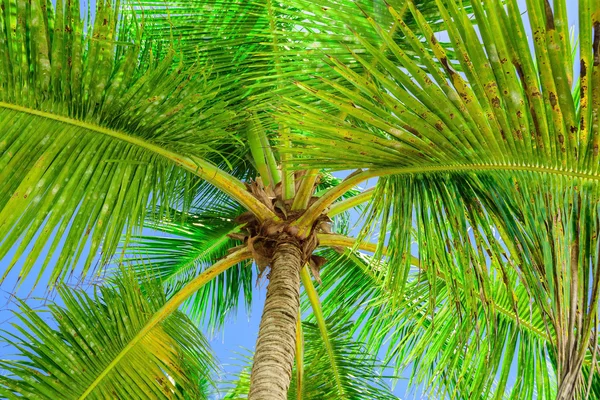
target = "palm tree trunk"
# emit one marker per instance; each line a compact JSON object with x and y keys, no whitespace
{"x":275,"y":346}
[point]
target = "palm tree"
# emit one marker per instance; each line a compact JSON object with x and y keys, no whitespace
{"x":485,"y":156}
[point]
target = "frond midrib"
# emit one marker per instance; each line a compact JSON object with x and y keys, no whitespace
{"x":176,"y":158}
{"x":306,"y":220}
{"x":198,"y":257}
{"x":313,"y":297}
{"x":520,"y":321}
{"x":196,"y":165}
{"x":481,"y":168}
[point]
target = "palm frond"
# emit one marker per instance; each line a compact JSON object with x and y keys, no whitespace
{"x":501,"y":145}
{"x":94,"y":128}
{"x":264,"y":42}
{"x":358,"y":369}
{"x":74,"y":355}
{"x":186,"y":245}
{"x":265,"y":45}
{"x":449,"y":353}
{"x":473,"y":357}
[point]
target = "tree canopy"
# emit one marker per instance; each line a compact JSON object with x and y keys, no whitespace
{"x":217,"y":126}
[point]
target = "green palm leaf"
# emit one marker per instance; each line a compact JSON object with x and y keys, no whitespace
{"x":359,"y":370}
{"x":451,"y":354}
{"x":186,"y":246}
{"x":500,"y":145}
{"x":94,"y":128}
{"x":74,"y":355}
{"x":473,"y":357}
{"x":264,"y":45}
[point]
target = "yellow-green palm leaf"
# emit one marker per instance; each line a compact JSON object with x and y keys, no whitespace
{"x":93,"y":129}
{"x":78,"y":354}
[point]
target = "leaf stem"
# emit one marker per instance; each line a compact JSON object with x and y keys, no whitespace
{"x":313,"y":297}
{"x":333,"y":240}
{"x":305,"y":222}
{"x":344,"y":205}
{"x":269,"y":154}
{"x":201,"y":168}
{"x":305,"y":190}
{"x":258,"y":152}
{"x":287,"y":174}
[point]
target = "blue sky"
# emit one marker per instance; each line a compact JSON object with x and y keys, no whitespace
{"x":239,"y":333}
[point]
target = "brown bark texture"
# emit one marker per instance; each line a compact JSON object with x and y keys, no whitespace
{"x":275,"y":346}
